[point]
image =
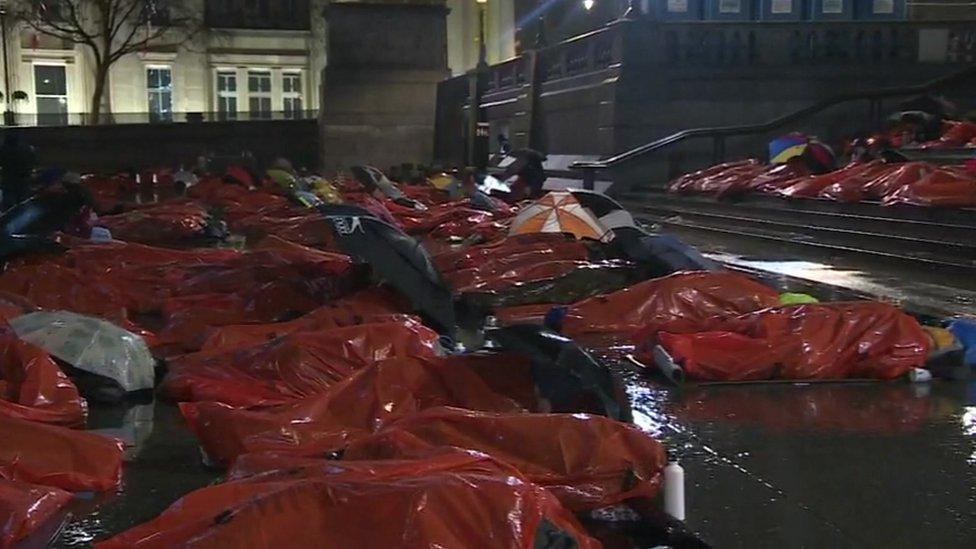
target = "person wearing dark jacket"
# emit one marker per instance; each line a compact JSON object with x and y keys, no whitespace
{"x":531,"y":172}
{"x":17,"y":159}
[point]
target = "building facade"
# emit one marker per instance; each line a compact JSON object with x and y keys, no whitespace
{"x":250,"y":59}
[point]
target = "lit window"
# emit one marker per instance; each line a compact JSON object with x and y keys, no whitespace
{"x":292,"y":94}
{"x":259,"y":94}
{"x":159,"y":86}
{"x":227,"y":95}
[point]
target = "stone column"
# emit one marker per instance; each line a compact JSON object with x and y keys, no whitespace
{"x":379,"y":87}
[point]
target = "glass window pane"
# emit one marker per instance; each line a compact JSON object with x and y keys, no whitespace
{"x":165,"y":78}
{"x":152,"y":78}
{"x":50,"y":80}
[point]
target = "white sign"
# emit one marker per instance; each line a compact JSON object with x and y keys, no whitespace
{"x":782,"y":6}
{"x":884,"y":6}
{"x":730,"y":6}
{"x":677,"y":6}
{"x":833,"y":6}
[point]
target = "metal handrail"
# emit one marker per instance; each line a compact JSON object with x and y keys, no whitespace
{"x":719,"y":133}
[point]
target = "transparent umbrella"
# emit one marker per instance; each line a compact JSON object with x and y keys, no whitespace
{"x":91,"y":345}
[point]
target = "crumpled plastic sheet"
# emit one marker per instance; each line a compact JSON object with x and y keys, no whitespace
{"x":54,"y":286}
{"x":512,"y":262}
{"x":165,"y":223}
{"x":33,"y":387}
{"x":466,"y":501}
{"x":955,"y":134}
{"x":586,"y":280}
{"x":448,"y":219}
{"x":26,"y":507}
{"x":681,"y":299}
{"x":560,"y":245}
{"x":586,"y":461}
{"x":854,"y":174}
{"x":914,"y":183}
{"x":947,"y":186}
{"x":889,"y":180}
{"x":863,"y":340}
{"x":307,"y":229}
{"x":295,"y":366}
{"x":49,"y":455}
{"x":351,"y":409}
{"x":363,"y":307}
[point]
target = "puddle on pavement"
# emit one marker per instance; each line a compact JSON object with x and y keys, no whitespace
{"x":810,"y":465}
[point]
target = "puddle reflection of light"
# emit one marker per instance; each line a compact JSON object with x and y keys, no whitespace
{"x":648,"y":413}
{"x":969,"y":427}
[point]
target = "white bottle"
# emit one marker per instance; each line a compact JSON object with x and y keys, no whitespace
{"x":674,"y":490}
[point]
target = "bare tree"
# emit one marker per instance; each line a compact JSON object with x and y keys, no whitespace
{"x":112,"y":29}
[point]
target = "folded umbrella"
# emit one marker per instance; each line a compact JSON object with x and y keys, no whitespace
{"x":566,"y":374}
{"x":399,"y":260}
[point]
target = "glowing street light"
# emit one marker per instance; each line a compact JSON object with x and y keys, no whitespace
{"x":588,"y":4}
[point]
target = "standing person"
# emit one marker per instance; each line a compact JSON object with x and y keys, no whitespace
{"x":504,"y":145}
{"x":528,"y":167}
{"x":17,"y":158}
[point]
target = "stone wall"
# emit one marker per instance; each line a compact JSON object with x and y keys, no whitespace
{"x":103,"y":148}
{"x":379,"y":92}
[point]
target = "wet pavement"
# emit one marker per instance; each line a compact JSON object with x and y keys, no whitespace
{"x":828,"y":465}
{"x":785,"y":465}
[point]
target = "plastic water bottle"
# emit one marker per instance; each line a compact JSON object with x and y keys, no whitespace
{"x":674,"y":490}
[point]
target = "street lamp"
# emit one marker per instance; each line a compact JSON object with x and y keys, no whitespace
{"x":482,"y":32}
{"x":8,"y":115}
{"x":588,"y":4}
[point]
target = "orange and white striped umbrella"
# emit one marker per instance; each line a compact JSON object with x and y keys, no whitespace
{"x":558,"y":212}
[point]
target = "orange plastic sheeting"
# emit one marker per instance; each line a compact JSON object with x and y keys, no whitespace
{"x":365,"y":307}
{"x":54,"y":286}
{"x":852,"y":174}
{"x":945,"y":187}
{"x":350,"y":409}
{"x":60,"y":457}
{"x":165,"y":223}
{"x":416,"y":221}
{"x":718,"y":179}
{"x":865,"y":340}
{"x":885,"y":183}
{"x":586,"y":461}
{"x":468,"y":503}
{"x":26,"y":507}
{"x":298,"y":365}
{"x":556,"y":244}
{"x":302,"y":228}
{"x":681,"y":299}
{"x":13,"y":305}
{"x":264,"y":466}
{"x":33,"y":387}
{"x":537,"y":269}
{"x":524,"y":314}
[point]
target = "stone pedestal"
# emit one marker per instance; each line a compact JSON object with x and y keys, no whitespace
{"x":379,"y":88}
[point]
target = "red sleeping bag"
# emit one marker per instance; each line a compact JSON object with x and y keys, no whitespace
{"x":682,"y":299}
{"x":586,"y":461}
{"x":298,"y":365}
{"x":351,"y":409}
{"x":33,"y":387}
{"x":60,"y":457}
{"x":820,"y":341}
{"x":26,"y":507}
{"x":452,"y":500}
